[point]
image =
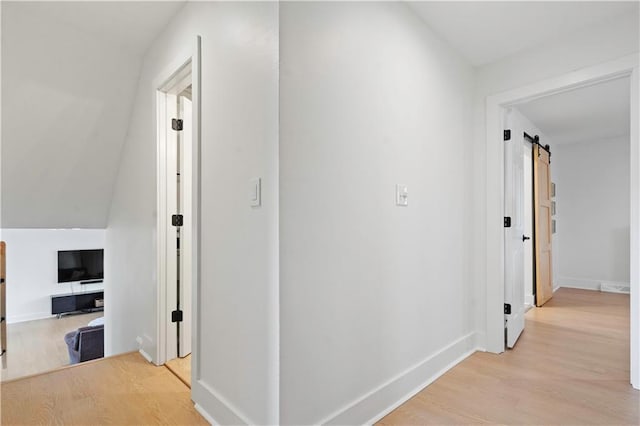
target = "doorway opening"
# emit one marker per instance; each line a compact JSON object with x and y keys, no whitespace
{"x":176,"y":165}
{"x":496,"y":266}
{"x":589,"y":130}
{"x":57,"y":319}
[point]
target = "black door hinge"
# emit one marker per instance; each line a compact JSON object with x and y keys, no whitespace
{"x":177,"y":220}
{"x":176,"y":124}
{"x":507,"y":135}
{"x":176,"y":316}
{"x":507,"y":222}
{"x":507,"y":309}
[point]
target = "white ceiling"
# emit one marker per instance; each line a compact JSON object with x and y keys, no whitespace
{"x":69,"y":79}
{"x":594,"y":113}
{"x":131,"y":25}
{"x":484,"y":32}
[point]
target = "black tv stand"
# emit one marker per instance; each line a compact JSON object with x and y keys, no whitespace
{"x":76,"y":302}
{"x":91,"y":282}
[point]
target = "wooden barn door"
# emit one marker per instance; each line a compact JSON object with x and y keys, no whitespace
{"x":542,"y":215}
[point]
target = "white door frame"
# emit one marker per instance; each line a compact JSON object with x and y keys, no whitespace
{"x":495,"y":250}
{"x":165,"y":84}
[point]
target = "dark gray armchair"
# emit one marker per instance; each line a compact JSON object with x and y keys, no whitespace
{"x":85,"y":343}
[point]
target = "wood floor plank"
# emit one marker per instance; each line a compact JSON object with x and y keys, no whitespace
{"x":181,"y":367}
{"x":120,"y":390}
{"x":38,"y":346}
{"x":570,"y":366}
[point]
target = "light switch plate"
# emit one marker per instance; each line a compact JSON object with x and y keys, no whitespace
{"x":402,"y":195}
{"x":255,"y":192}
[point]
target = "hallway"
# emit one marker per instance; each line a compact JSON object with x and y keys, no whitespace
{"x":570,"y":366}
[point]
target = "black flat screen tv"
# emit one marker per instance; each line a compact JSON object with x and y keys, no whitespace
{"x":80,"y":265}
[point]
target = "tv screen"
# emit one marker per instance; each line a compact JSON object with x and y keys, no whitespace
{"x":80,"y":265}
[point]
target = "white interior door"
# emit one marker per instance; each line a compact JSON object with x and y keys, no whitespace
{"x":186,"y":231}
{"x":528,"y":224}
{"x":513,"y":234}
{"x":170,"y":258}
{"x":177,"y":154}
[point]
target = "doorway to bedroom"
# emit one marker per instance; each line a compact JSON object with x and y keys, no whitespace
{"x":51,"y":298}
{"x":567,"y":195}
{"x":175,"y":227}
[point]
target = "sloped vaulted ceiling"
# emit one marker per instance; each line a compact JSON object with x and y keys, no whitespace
{"x":68,"y":86}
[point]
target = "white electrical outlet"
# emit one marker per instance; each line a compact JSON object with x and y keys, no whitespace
{"x":402,"y":195}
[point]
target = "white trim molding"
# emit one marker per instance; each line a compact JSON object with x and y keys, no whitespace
{"x":206,"y":415}
{"x":589,"y":284}
{"x":145,"y":355}
{"x":368,"y":409}
{"x":209,"y":400}
{"x":528,"y":300}
{"x":579,"y":283}
{"x":172,"y":80}
{"x":14,"y":319}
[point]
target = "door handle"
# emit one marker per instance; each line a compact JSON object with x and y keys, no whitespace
{"x":525,"y":238}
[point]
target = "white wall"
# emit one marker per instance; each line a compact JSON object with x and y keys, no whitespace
{"x":66,"y":99}
{"x":239,"y":270}
{"x":32,"y":268}
{"x":597,"y":44}
{"x":375,"y":298}
{"x":360,"y":110}
{"x":593,"y":212}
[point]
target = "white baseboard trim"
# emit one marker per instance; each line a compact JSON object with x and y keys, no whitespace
{"x":29,"y":317}
{"x":391,"y":394}
{"x":595,"y":285}
{"x":145,"y":355}
{"x":226,"y":412}
{"x":528,"y":300}
{"x":579,"y":283}
{"x":481,"y":342}
{"x":206,"y":415}
{"x":615,"y":287}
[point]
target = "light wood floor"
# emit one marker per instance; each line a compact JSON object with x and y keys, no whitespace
{"x":181,"y":367}
{"x":38,"y":346}
{"x":570,"y":366}
{"x":120,"y":390}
